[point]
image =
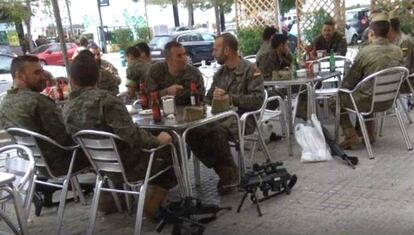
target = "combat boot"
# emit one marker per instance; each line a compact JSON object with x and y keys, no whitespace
{"x":372,"y":131}
{"x":228,"y":177}
{"x":106,"y":203}
{"x":351,"y":138}
{"x":156,"y":197}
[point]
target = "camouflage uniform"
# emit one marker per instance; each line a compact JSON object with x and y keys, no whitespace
{"x":108,"y":81}
{"x":110,"y":68}
{"x":406,"y":45}
{"x":137,"y":72}
{"x":365,"y":63}
{"x":337,"y":44}
{"x":27,"y":109}
{"x":244,"y":86}
{"x":264,"y":48}
{"x":96,"y":109}
{"x":159,"y":78}
{"x":272,"y":62}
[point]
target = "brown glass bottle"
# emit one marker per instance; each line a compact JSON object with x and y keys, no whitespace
{"x":143,"y":96}
{"x":156,"y":112}
{"x":194,"y":96}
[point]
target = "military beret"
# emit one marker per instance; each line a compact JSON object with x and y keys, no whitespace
{"x":381,"y":16}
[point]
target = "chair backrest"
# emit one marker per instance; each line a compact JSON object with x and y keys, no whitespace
{"x":351,"y":53}
{"x":19,"y":161}
{"x":251,"y":58}
{"x":30,"y":139}
{"x":101,"y":149}
{"x":386,"y":85}
{"x":342,"y":64}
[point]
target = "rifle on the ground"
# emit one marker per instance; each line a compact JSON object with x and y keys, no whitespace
{"x":337,"y":150}
{"x":188,"y":216}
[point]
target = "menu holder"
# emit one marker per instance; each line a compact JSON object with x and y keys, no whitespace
{"x":281,"y":75}
{"x":193,"y":113}
{"x":220,"y":105}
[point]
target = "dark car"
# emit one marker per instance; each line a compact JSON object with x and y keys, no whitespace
{"x":51,"y":54}
{"x":198,"y":45}
{"x":358,"y":19}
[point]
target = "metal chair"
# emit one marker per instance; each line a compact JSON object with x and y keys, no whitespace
{"x":386,"y":85}
{"x":30,"y":139}
{"x":251,"y":58}
{"x":17,"y":183}
{"x":351,"y":53}
{"x":102,"y":151}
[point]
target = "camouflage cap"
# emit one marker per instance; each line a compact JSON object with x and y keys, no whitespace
{"x":381,"y":16}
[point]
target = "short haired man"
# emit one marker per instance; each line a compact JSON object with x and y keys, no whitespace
{"x":25,"y":107}
{"x":267,"y":36}
{"x":174,"y":75}
{"x":139,"y":62}
{"x":405,"y":43}
{"x":92,"y":108}
{"x":330,"y":39}
{"x":239,"y":81}
{"x":365,"y":63}
{"x":278,"y":58}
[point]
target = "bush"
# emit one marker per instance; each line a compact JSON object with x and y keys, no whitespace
{"x":122,"y":37}
{"x":249,"y":39}
{"x":319,"y":17}
{"x":143,"y":33}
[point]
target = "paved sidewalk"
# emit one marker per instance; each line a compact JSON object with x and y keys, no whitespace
{"x":329,"y":198}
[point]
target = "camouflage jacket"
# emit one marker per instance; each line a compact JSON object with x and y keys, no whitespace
{"x":137,"y":71}
{"x":159,"y":79}
{"x":368,"y":62}
{"x":110,"y":68}
{"x":108,"y":82}
{"x":271,"y":62}
{"x":406,"y":45}
{"x":243,"y":84}
{"x":264,"y":48}
{"x":96,"y":109}
{"x":338,"y":44}
{"x":27,"y":109}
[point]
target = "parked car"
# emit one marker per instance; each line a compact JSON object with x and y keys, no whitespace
{"x":51,"y":54}
{"x":198,"y":45}
{"x":358,"y":19}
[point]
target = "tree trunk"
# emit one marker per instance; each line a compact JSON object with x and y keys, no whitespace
{"x":28,"y":38}
{"x":217,"y":14}
{"x":175,"y":13}
{"x":70,"y":18}
{"x":222,"y":18}
{"x":101,"y":29}
{"x":60,"y":34}
{"x":190,"y":9}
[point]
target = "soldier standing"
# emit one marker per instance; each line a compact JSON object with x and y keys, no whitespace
{"x":365,"y":63}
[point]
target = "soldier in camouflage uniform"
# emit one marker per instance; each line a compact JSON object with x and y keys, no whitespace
{"x":92,"y":108}
{"x":365,"y":63}
{"x":139,"y":61}
{"x":276,"y":59}
{"x":174,"y":76}
{"x":240,"y":81}
{"x":329,"y":40}
{"x":406,"y":44}
{"x":25,"y":107}
{"x":266,"y":46}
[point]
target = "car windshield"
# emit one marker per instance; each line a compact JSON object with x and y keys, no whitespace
{"x":40,"y":49}
{"x":351,"y":16}
{"x":159,"y":41}
{"x":5,"y":62}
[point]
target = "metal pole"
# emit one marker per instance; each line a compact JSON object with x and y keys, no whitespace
{"x":70,"y":18}
{"x":61,"y":35}
{"x":101,"y":31}
{"x":217,"y":14}
{"x":279,"y":24}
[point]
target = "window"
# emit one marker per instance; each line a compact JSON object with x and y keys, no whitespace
{"x":184,"y":38}
{"x":207,"y":37}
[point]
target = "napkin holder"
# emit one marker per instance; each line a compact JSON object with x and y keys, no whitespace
{"x":168,"y":105}
{"x":193,"y":113}
{"x":220,"y":105}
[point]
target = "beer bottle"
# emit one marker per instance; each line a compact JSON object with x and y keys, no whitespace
{"x":142,"y":96}
{"x":194,"y":94}
{"x":60,"y":97}
{"x":156,"y":112}
{"x":332,"y":68}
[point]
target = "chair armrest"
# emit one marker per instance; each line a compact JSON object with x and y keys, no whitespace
{"x":156,"y":149}
{"x":344,"y":90}
{"x":245,"y":115}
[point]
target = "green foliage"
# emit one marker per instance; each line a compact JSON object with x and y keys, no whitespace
{"x":249,"y":39}
{"x":401,"y":9}
{"x":286,"y":5}
{"x":318,"y":18}
{"x":122,"y":37}
{"x":11,"y":11}
{"x":143,"y":33}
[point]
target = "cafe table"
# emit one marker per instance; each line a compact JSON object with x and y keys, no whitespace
{"x":179,"y":129}
{"x":309,"y":81}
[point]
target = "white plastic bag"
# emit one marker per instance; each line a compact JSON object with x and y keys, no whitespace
{"x":312,"y":141}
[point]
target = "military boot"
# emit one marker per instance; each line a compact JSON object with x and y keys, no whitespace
{"x":106,"y":203}
{"x":351,"y":138}
{"x":156,"y":197}
{"x":228,"y":177}
{"x":372,"y":131}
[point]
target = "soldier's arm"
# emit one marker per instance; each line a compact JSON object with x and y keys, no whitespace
{"x":354,"y":74}
{"x":253,"y":99}
{"x":342,"y":46}
{"x":117,"y":117}
{"x":200,"y":84}
{"x":51,"y":120}
{"x":266,"y":68}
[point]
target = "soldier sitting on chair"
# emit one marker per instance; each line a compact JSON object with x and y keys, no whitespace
{"x":365,"y":63}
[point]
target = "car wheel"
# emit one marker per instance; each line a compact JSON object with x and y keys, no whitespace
{"x":42,"y":63}
{"x":354,"y":40}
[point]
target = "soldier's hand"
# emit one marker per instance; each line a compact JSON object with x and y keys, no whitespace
{"x":224,"y":97}
{"x":218,"y":92}
{"x":164,"y":138}
{"x":174,"y":89}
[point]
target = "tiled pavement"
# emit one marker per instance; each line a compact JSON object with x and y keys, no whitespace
{"x":329,"y":198}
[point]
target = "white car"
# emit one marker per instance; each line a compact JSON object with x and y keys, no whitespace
{"x":6,"y":80}
{"x":351,"y":35}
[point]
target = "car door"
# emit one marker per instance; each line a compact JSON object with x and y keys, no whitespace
{"x":199,"y":46}
{"x":54,"y":56}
